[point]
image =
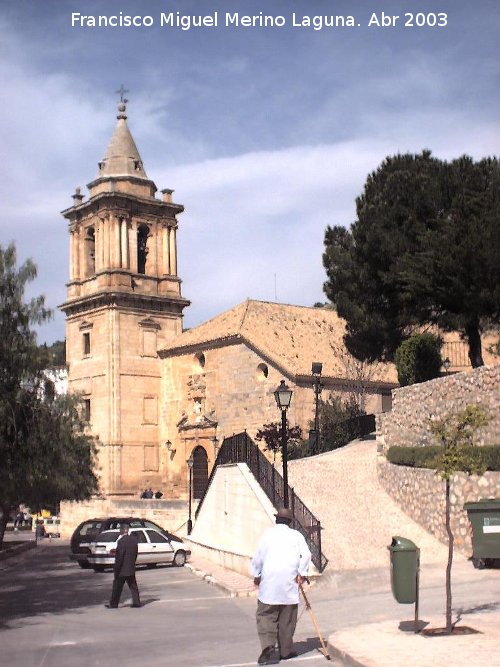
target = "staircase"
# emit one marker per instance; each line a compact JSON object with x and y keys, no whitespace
{"x":241,"y":449}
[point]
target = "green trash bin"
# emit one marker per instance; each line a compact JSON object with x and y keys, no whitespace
{"x":405,"y":564}
{"x":484,"y":516}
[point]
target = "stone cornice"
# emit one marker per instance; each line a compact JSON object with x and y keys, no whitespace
{"x":139,"y":302}
{"x":125,"y":201}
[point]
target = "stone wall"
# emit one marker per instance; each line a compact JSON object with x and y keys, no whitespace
{"x":421,"y":494}
{"x":413,"y":407}
{"x":169,"y":514}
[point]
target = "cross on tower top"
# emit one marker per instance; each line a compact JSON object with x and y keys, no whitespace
{"x":121,"y":92}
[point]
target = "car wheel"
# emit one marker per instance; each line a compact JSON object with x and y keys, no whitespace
{"x":84,"y":565}
{"x":98,"y":568}
{"x":479,"y":563}
{"x":179,"y":558}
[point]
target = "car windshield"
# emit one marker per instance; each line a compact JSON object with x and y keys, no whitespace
{"x":108,"y":536}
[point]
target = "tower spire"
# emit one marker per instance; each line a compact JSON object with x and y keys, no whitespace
{"x":122,"y":157}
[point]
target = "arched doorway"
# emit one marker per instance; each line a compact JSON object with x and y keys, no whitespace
{"x":200,"y":471}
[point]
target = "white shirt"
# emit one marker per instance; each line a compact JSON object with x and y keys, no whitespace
{"x":282,"y":554}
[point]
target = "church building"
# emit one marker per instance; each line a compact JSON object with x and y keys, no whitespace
{"x":153,"y":394}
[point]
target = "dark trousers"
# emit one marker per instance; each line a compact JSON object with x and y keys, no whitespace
{"x":118,"y":584}
{"x":276,"y":622}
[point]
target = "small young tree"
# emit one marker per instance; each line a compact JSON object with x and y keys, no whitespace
{"x":358,"y":374}
{"x":271,"y":435}
{"x":418,"y":359}
{"x":456,"y":433}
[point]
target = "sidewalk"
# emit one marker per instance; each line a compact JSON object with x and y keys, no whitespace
{"x":385,"y":645}
{"x":237,"y":585}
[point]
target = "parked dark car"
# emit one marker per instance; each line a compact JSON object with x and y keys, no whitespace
{"x":88,"y":530}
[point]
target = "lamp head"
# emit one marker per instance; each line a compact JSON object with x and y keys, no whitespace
{"x":283,"y":396}
{"x":316,"y":368}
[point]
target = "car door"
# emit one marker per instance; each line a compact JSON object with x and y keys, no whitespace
{"x":143,"y":546}
{"x":161,"y":549}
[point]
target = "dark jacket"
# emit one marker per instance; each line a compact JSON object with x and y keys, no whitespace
{"x":126,"y":555}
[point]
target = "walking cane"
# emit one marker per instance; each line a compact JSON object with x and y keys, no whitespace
{"x":322,"y":650}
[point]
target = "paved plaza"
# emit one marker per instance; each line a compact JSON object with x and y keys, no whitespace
{"x":52,"y":614}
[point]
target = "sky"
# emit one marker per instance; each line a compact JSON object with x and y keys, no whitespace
{"x":266,"y":134}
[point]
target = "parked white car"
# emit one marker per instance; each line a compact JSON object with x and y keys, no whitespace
{"x":154,"y":548}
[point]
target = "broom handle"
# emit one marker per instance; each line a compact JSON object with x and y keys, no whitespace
{"x":313,"y":617}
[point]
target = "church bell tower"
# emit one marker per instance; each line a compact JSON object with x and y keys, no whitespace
{"x":123,"y":303}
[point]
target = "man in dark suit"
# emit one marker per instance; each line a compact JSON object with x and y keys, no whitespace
{"x":126,"y":555}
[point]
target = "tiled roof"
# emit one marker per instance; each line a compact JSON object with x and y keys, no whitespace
{"x":291,"y":336}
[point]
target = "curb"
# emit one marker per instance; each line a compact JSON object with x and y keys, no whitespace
{"x":210,"y":579}
{"x":341,"y":658}
{"x":17,"y":549}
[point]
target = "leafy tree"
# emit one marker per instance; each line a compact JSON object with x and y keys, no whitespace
{"x":424,"y":249}
{"x":455,"y":433}
{"x":45,"y":455}
{"x":271,"y":435}
{"x":418,"y":359}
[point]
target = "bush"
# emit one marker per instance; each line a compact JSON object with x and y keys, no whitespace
{"x":338,"y":425}
{"x":299,"y":449}
{"x":418,"y":359}
{"x":426,"y":457}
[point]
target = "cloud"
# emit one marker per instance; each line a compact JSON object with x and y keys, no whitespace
{"x":264,"y":147}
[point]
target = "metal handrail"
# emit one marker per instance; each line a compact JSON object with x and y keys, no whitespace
{"x":240,"y":448}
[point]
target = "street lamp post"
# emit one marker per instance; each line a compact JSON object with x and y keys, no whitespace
{"x":316,"y":369}
{"x":283,"y":396}
{"x":190,"y":462}
{"x":215,"y":444}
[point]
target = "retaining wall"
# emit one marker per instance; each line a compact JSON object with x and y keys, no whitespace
{"x":421,"y":494}
{"x":414,"y":407}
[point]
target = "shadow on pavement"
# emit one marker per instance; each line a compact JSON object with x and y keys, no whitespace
{"x":491,"y":606}
{"x":47,"y":582}
{"x":306,"y":645}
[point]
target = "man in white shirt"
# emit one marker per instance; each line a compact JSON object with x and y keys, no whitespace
{"x":280,"y":563}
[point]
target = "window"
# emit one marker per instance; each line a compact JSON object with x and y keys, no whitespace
{"x":199,"y":360}
{"x":86,"y":409}
{"x":142,"y":248}
{"x":155,"y":537}
{"x":262,"y":372}
{"x":139,"y":534}
{"x":86,"y":344}
{"x":90,"y":527}
{"x":150,"y":410}
{"x":90,"y":251}
{"x":109,"y":536}
{"x":151,"y":458}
